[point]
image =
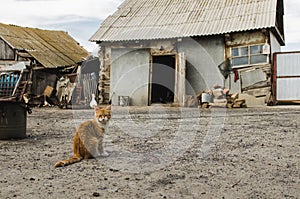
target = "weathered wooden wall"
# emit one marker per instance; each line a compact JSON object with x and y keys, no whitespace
{"x":6,"y":52}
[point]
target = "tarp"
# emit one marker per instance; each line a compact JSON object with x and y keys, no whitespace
{"x":16,"y":67}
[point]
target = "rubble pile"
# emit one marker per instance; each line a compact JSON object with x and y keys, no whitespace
{"x":218,"y":96}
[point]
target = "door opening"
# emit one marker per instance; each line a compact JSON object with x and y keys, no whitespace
{"x":163,"y":79}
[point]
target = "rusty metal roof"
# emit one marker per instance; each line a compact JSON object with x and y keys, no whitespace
{"x":51,"y":48}
{"x":162,"y":19}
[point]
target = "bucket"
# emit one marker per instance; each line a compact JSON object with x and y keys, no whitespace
{"x":205,"y":97}
{"x":13,"y":120}
{"x":123,"y":100}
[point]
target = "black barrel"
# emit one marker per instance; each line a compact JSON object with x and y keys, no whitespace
{"x":13,"y":120}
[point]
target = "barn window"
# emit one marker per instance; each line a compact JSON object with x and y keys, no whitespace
{"x":248,"y":55}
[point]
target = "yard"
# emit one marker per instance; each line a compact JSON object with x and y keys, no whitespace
{"x":159,"y":152}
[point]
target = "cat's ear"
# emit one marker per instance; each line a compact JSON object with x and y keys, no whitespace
{"x":108,"y":107}
{"x":96,"y":108}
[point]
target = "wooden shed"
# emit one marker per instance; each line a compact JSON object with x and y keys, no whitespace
{"x":47,"y":54}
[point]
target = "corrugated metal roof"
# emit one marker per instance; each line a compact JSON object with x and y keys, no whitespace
{"x":51,"y":48}
{"x":162,"y":19}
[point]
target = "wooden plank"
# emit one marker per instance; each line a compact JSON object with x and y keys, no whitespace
{"x":252,"y":77}
{"x":259,"y":92}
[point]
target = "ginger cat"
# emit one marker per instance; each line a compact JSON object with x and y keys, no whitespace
{"x":88,"y":138}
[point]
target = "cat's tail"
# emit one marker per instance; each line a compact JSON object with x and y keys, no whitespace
{"x":67,"y":162}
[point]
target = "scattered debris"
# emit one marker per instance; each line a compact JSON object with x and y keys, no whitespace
{"x":219,"y":92}
{"x":218,"y":95}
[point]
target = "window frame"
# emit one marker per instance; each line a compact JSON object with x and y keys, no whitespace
{"x":249,"y":55}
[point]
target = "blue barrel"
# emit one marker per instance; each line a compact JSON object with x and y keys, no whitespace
{"x":13,"y":120}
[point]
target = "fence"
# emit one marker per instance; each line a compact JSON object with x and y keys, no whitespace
{"x":8,"y":82}
{"x":286,"y":77}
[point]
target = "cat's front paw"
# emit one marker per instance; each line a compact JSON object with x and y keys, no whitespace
{"x":104,"y":154}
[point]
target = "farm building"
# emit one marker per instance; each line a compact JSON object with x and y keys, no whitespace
{"x":165,"y":50}
{"x":32,"y":60}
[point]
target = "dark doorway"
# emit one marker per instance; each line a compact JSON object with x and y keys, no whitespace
{"x":163,"y":79}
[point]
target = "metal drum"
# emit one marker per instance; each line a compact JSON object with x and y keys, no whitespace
{"x":13,"y":120}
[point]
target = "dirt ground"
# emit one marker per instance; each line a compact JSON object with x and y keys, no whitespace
{"x":159,"y":152}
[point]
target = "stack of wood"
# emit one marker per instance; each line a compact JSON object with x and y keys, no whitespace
{"x":233,"y":101}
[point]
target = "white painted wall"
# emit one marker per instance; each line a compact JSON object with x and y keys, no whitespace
{"x":203,"y":57}
{"x":129,"y":75}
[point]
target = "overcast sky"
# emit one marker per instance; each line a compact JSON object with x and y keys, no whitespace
{"x":82,"y":18}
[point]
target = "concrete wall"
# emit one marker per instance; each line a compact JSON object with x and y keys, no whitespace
{"x":130,"y":67}
{"x":203,"y":57}
{"x":130,"y":75}
{"x":130,"y":63}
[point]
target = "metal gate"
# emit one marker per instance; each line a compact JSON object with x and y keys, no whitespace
{"x":286,"y":77}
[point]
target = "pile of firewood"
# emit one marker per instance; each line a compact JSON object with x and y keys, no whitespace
{"x":217,"y":96}
{"x":233,"y":101}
